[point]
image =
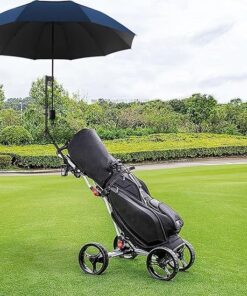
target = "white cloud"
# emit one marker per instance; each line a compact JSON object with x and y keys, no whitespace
{"x":208,"y":36}
{"x":182,"y":47}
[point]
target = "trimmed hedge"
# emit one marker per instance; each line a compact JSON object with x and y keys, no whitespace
{"x":38,"y":161}
{"x":154,"y":147}
{"x":135,"y":157}
{"x":181,"y":153}
{"x":5,"y":161}
{"x":155,"y":142}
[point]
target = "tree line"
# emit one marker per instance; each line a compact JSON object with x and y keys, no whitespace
{"x":22,"y":119}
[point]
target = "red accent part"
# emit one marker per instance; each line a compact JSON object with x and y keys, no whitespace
{"x":95,"y":191}
{"x":120,"y":244}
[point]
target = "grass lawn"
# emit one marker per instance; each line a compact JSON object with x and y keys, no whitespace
{"x":45,"y":220}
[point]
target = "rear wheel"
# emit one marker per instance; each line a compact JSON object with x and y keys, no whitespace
{"x":186,"y":256}
{"x":93,"y":259}
{"x":162,"y":264}
{"x":121,"y":244}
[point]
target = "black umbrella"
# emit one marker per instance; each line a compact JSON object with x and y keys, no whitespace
{"x":60,"y":30}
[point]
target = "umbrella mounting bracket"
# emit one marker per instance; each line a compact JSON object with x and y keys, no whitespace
{"x":49,"y":113}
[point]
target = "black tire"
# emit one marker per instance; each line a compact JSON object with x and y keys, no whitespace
{"x":130,"y":254}
{"x":89,"y":262}
{"x":186,"y":256}
{"x":162,"y":264}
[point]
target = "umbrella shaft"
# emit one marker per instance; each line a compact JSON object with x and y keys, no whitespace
{"x":52,"y":85}
{"x":52,"y":65}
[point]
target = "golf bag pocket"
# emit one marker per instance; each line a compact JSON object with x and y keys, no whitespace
{"x":166,"y":210}
{"x":146,"y":224}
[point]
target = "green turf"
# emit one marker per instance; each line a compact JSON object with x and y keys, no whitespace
{"x":45,"y":220}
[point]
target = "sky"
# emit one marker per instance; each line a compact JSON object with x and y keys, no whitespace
{"x":182,"y":47}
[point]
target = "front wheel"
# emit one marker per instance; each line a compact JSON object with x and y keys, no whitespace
{"x":186,"y":256}
{"x":162,"y":264}
{"x":93,"y":259}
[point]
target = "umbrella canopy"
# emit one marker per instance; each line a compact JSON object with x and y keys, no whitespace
{"x":60,"y":30}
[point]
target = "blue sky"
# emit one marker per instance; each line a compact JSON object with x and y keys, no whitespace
{"x":182,"y":47}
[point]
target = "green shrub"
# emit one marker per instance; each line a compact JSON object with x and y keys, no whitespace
{"x":15,"y":135}
{"x":5,"y":161}
{"x":118,"y":133}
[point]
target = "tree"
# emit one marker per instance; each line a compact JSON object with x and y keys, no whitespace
{"x":162,"y":121}
{"x":69,"y":123}
{"x":132,"y":116}
{"x":236,"y":113}
{"x":178,"y":105}
{"x":18,"y":104}
{"x":236,"y":101}
{"x":9,"y":117}
{"x":199,"y":107}
{"x":2,"y":96}
{"x":69,"y":115}
{"x":33,"y":120}
{"x":37,"y":93}
{"x":218,"y":122}
{"x":242,"y":122}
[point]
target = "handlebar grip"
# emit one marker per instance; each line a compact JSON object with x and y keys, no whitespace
{"x":132,"y":168}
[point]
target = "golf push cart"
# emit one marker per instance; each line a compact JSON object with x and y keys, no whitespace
{"x":144,"y":226}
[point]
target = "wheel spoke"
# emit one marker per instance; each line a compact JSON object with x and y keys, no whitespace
{"x":184,"y":263}
{"x":94,"y":266}
{"x":154,"y":262}
{"x":87,"y":255}
{"x":171,"y":264}
{"x":167,"y":271}
{"x":96,"y":257}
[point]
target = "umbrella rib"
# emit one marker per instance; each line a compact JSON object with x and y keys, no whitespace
{"x":12,"y":37}
{"x":65,"y":36}
{"x":25,"y":6}
{"x":94,"y":40}
{"x":40,"y":34}
{"x":81,"y":8}
{"x":115,"y":32}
